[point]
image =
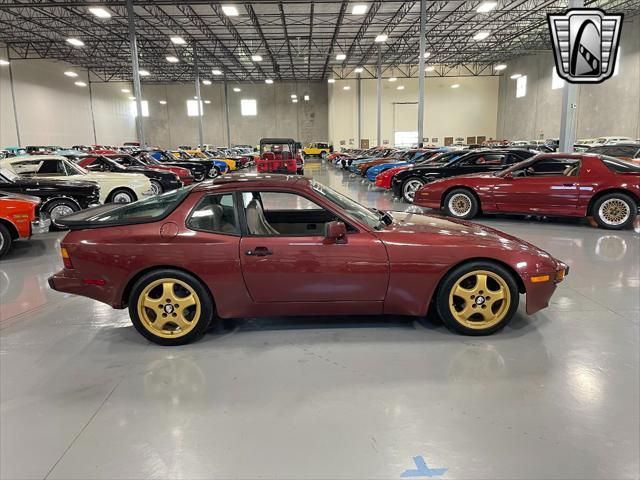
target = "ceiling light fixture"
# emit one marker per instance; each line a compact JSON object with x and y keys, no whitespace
{"x":256,"y":58}
{"x":331,"y":80}
{"x":295,"y":100}
{"x":237,"y":89}
{"x":172,"y":59}
{"x":430,"y":68}
{"x":100,"y":12}
{"x":216,"y":72}
{"x":515,"y":76}
{"x":500,"y":67}
{"x":132,"y":98}
{"x":68,"y":73}
{"x":427,"y":54}
{"x":206,"y":82}
{"x":125,"y":90}
{"x":358,"y":70}
{"x":359,"y":9}
{"x":455,"y":85}
{"x":207,"y":102}
{"x":393,"y":79}
{"x":346,"y":87}
{"x":293,"y":95}
{"x":162,"y":102}
{"x":178,"y":40}
{"x":306,"y":98}
{"x":381,"y":38}
{"x":144,"y":73}
{"x":268,"y":81}
{"x":80,"y":84}
{"x":230,"y":10}
{"x":75,"y":42}
{"x":486,"y":7}
{"x":400,"y":87}
{"x":341,"y":56}
{"x":3,"y":61}
{"x":481,"y":36}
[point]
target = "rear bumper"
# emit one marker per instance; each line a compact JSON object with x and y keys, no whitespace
{"x":40,"y":225}
{"x":67,"y":281}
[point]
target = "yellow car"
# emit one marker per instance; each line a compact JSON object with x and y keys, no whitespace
{"x":317,"y":150}
{"x":200,"y":154}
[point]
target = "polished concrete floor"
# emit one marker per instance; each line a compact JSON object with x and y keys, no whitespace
{"x":555,"y":395}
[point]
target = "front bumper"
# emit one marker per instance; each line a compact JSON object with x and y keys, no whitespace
{"x":40,"y":225}
{"x":539,"y":292}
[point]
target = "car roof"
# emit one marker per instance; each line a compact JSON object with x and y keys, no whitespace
{"x":23,"y":158}
{"x":252,"y":179}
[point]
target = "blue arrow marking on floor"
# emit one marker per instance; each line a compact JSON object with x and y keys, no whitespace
{"x":422,"y":470}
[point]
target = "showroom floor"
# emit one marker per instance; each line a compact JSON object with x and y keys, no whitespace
{"x":554,"y":395}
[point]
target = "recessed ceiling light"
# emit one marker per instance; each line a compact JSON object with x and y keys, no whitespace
{"x":515,"y":75}
{"x":256,"y":58}
{"x":306,"y":98}
{"x":427,"y":54}
{"x":358,"y":69}
{"x":207,"y":102}
{"x":172,"y":59}
{"x":69,"y":73}
{"x":237,"y":89}
{"x":144,"y":73}
{"x":331,"y":80}
{"x":502,"y":66}
{"x":3,"y":61}
{"x":75,"y":42}
{"x":381,"y":38}
{"x":481,"y":35}
{"x":295,"y":100}
{"x":230,"y":10}
{"x":80,"y":84}
{"x":162,"y":102}
{"x":455,"y":85}
{"x":400,"y":87}
{"x":393,"y":79}
{"x":346,"y":87}
{"x":125,"y":90}
{"x":178,"y":40}
{"x":206,"y":82}
{"x":268,"y":81}
{"x":485,"y":7}
{"x":359,"y":9}
{"x":293,"y":95}
{"x":216,"y":72}
{"x":100,"y":12}
{"x":341,"y":56}
{"x":430,"y":68}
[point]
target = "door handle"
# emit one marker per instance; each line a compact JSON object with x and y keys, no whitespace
{"x":259,"y":252}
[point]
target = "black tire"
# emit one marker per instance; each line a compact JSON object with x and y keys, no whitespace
{"x":216,"y":172}
{"x":461,"y":203}
{"x":57,"y":208}
{"x":198,"y":176}
{"x":157,"y":187}
{"x":499,"y":312}
{"x":615,"y":211}
{"x":5,"y":240}
{"x":406,"y":190}
{"x":300,"y":171}
{"x":121,"y":193}
{"x":197,"y":289}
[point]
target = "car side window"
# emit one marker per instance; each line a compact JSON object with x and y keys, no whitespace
{"x":215,"y":214}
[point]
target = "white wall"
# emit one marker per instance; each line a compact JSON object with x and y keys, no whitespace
{"x":470,"y":110}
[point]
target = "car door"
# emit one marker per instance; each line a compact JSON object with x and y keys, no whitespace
{"x":285,"y":257}
{"x":543,"y":188}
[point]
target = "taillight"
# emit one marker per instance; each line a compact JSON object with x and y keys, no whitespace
{"x":66,"y":260}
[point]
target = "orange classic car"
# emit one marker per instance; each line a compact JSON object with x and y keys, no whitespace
{"x":19,"y":219}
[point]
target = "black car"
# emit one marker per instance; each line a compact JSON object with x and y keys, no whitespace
{"x":407,"y":182}
{"x":160,"y":181}
{"x":59,"y":197}
{"x":200,"y":171}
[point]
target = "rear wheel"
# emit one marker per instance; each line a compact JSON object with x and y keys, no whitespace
{"x":170,"y":307}
{"x":410,"y":187}
{"x":461,"y":203}
{"x":5,"y":240}
{"x":198,"y":176}
{"x":57,"y":209}
{"x":615,"y":211}
{"x":122,"y":195}
{"x":477,"y":298}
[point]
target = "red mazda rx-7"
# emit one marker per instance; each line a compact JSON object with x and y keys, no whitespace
{"x":556,"y":184}
{"x":257,"y":245}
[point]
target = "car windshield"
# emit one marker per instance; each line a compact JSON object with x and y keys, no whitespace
{"x":353,"y":208}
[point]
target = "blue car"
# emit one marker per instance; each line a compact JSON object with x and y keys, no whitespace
{"x":417,"y":156}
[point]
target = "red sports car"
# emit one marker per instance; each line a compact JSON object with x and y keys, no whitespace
{"x":256,"y":245}
{"x":555,"y":184}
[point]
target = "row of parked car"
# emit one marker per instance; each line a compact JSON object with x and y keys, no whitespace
{"x":49,"y":182}
{"x":603,"y":182}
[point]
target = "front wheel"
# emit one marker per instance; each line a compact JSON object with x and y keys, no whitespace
{"x":170,"y":307}
{"x":477,"y":298}
{"x":214,"y":172}
{"x":615,"y":211}
{"x":410,"y":187}
{"x":5,"y":240}
{"x":57,"y":209}
{"x":461,"y":203}
{"x":156,"y":187}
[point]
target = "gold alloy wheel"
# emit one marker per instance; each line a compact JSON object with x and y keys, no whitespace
{"x":169,"y":308}
{"x":479,"y":299}
{"x":460,"y":204}
{"x":614,"y":211}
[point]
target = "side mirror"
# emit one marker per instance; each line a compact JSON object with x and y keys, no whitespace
{"x":336,"y":232}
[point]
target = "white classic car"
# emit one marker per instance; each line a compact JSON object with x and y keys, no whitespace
{"x":114,"y":187}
